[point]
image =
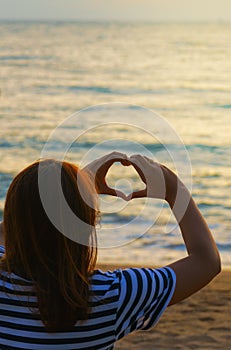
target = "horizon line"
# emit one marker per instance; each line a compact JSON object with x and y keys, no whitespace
{"x":79,"y":20}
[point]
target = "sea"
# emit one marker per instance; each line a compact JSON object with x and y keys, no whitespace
{"x":79,"y":90}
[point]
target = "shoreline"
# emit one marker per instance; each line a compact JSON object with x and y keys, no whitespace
{"x":203,"y":321}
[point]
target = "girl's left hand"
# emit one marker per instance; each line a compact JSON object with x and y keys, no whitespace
{"x":98,"y":170}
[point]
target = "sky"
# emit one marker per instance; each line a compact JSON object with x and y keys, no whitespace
{"x":120,"y":10}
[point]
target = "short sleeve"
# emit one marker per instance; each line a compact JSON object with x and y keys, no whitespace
{"x":144,"y":295}
{"x":2,"y":251}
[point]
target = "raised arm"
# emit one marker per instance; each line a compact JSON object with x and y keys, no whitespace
{"x":203,"y":261}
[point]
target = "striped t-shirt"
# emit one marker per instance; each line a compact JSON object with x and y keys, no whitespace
{"x":122,"y":301}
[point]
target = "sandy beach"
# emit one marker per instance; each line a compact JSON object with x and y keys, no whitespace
{"x":202,"y":321}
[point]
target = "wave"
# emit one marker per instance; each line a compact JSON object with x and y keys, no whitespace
{"x":36,"y":143}
{"x":109,"y":90}
{"x":5,"y":180}
{"x":23,"y":58}
{"x":208,"y":147}
{"x":224,"y":246}
{"x":228,"y":106}
{"x":104,"y":90}
{"x":118,"y":218}
{"x":29,"y":142}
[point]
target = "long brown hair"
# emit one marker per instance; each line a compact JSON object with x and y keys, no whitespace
{"x":35,"y":249}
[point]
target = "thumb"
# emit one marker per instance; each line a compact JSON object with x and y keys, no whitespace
{"x":137,"y":194}
{"x":105,"y":189}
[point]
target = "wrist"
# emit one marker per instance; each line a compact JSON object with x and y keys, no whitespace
{"x":171,"y":183}
{"x":175,"y":189}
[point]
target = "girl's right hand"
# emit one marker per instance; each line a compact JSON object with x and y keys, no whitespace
{"x":160,"y":181}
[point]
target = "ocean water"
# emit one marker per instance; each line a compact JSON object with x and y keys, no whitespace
{"x":132,"y":74}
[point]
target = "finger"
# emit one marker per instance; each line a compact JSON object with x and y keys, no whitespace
{"x":138,"y":164}
{"x":125,"y":162}
{"x":109,"y":159}
{"x":148,"y":159}
{"x":137,"y":194}
{"x":141,"y":163}
{"x":121,"y":195}
{"x":99,"y":167}
{"x":140,"y":160}
{"x":97,"y":163}
{"x":103,"y":168}
{"x":112,"y":156}
{"x":112,"y":192}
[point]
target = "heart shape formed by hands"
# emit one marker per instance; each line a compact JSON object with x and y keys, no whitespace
{"x":101,"y":173}
{"x":152,"y":174}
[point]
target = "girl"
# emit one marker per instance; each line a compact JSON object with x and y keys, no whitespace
{"x":51,"y":295}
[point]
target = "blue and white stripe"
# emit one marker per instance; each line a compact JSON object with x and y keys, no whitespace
{"x":122,"y":301}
